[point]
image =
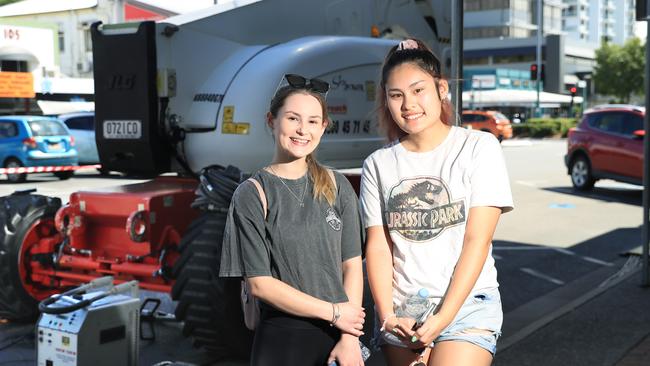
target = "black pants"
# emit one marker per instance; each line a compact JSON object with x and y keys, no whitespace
{"x":286,"y":340}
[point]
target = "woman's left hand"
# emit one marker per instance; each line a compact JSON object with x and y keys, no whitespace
{"x":429,"y":331}
{"x":346,"y":352}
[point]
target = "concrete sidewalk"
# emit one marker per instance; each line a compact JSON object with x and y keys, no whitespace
{"x":608,"y":324}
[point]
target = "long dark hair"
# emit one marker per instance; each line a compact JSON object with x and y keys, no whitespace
{"x":323,"y":185}
{"x":422,"y":57}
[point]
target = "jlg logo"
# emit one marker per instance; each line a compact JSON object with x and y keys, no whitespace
{"x":121,"y":82}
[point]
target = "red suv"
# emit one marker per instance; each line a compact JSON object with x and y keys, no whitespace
{"x":607,"y":143}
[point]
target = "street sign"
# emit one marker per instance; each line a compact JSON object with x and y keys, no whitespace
{"x":16,"y":85}
{"x":642,"y":10}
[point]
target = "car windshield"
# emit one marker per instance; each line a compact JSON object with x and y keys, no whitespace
{"x":47,"y":127}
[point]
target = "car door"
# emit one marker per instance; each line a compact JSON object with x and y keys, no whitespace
{"x":606,"y":144}
{"x":631,"y":164}
{"x":82,"y":128}
{"x":11,"y":143}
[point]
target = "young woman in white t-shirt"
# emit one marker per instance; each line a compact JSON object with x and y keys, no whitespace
{"x":431,"y":201}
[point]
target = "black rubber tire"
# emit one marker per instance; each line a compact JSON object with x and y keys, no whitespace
{"x":209,"y":305}
{"x":17,"y":214}
{"x":15,"y":178}
{"x":64,"y":175}
{"x":581,"y":175}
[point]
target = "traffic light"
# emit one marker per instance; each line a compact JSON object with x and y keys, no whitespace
{"x":542,"y":76}
{"x":573,"y":91}
{"x":533,"y":72}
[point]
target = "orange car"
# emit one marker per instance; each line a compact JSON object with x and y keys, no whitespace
{"x":490,"y":121}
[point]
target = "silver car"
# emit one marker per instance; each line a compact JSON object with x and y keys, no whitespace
{"x":82,"y":128}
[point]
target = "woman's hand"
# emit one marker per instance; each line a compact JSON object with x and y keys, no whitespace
{"x":429,"y":331}
{"x":401,"y":327}
{"x":347,"y":352}
{"x":351,"y":319}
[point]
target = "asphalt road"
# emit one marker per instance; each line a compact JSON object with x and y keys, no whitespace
{"x":553,"y":238}
{"x":556,"y":235}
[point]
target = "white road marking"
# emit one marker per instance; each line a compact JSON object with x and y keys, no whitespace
{"x":564,"y":251}
{"x":542,"y":276}
{"x":597,"y":261}
{"x":560,"y":250}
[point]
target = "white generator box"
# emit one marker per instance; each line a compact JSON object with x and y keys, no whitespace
{"x":104,"y":333}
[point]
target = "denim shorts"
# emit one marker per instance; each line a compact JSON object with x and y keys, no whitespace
{"x":481,"y":311}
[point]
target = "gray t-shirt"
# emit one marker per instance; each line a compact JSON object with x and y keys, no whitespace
{"x":301,"y":246}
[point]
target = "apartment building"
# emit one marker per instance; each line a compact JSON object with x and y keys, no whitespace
{"x":594,"y":21}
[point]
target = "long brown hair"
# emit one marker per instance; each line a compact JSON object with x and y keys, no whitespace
{"x":421,"y":57}
{"x":323,"y":185}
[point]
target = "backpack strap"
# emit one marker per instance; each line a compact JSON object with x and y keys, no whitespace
{"x":260,"y":191}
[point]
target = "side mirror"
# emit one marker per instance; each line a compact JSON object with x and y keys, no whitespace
{"x":639,"y":134}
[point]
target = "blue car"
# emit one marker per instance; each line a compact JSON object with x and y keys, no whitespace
{"x":27,"y":141}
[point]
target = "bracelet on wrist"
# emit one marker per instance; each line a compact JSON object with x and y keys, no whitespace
{"x":383,"y":324}
{"x":336,"y":314}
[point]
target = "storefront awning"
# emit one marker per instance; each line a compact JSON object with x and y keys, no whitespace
{"x":515,"y":98}
{"x":51,"y":107}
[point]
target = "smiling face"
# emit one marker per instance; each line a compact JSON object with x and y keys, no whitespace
{"x":413,"y":100}
{"x":297,"y":127}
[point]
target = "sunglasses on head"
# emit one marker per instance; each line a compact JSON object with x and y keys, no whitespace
{"x":300,"y":82}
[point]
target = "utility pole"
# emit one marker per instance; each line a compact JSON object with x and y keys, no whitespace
{"x":645,"y":281}
{"x":457,"y":57}
{"x":540,"y":35}
{"x":642,"y":7}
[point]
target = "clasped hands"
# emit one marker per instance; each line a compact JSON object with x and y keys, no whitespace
{"x":412,"y":336}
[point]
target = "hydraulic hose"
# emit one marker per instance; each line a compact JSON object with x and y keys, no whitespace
{"x":216,"y":187}
{"x":45,"y":305}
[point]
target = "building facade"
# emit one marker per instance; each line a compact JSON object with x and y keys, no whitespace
{"x":502,"y":34}
{"x":594,"y":21}
{"x":51,"y":40}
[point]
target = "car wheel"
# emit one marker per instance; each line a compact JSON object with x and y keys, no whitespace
{"x":64,"y":175}
{"x":18,"y":177}
{"x":581,"y":175}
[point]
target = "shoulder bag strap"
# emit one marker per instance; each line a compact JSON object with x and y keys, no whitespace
{"x":260,"y":191}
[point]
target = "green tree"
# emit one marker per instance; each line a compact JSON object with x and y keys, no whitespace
{"x":5,"y":2}
{"x":620,"y":70}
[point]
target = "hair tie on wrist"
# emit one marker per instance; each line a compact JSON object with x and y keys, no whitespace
{"x":336,"y":314}
{"x":408,"y":44}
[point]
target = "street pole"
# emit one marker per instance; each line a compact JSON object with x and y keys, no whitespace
{"x":540,"y":34}
{"x":457,"y":57}
{"x":645,"y":281}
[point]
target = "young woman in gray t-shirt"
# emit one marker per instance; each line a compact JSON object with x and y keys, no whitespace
{"x":302,"y":257}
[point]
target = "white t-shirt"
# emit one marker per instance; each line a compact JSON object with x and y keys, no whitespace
{"x":424,"y":199}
